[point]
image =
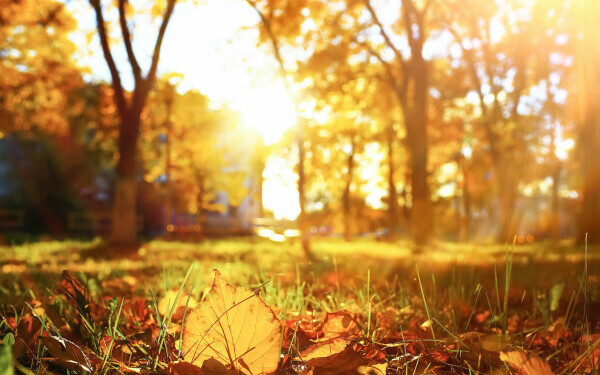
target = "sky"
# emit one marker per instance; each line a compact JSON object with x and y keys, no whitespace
{"x":214,"y":44}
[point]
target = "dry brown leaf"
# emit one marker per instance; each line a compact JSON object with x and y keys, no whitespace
{"x":525,"y":363}
{"x":235,"y":327}
{"x":66,"y":353}
{"x":377,"y":369}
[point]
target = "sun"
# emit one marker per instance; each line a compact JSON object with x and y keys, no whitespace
{"x":269,"y":110}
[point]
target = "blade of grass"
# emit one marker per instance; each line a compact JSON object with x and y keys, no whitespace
{"x":369,"y":302}
{"x":426,"y":307}
{"x":507,"y":276}
{"x":183,"y":320}
{"x":112,"y":339}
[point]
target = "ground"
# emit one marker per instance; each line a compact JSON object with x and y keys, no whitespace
{"x":374,"y":306}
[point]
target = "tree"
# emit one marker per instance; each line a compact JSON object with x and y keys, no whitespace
{"x":129,"y":108}
{"x":270,"y":33}
{"x":193,"y":151}
{"x":37,"y":69}
{"x":347,"y":130}
{"x":408,"y":77}
{"x":502,"y":71}
{"x":586,"y":101}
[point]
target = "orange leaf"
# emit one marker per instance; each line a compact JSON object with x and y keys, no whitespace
{"x":341,"y":356}
{"x":339,"y":324}
{"x":235,"y":327}
{"x":526,"y":364}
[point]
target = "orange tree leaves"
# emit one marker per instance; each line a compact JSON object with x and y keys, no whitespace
{"x":235,"y":327}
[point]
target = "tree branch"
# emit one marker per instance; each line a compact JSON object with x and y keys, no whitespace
{"x":470,"y":60}
{"x":135,"y":67}
{"x":151,"y":77}
{"x":384,"y":34}
{"x":399,"y":88}
{"x":274,"y":43}
{"x":114,"y":72}
{"x":407,"y":10}
{"x":487,"y":120}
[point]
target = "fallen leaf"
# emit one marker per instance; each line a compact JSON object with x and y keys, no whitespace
{"x":339,"y":324}
{"x":210,"y":367}
{"x":235,"y":327}
{"x":341,"y":356}
{"x":77,"y":294}
{"x":26,"y":337}
{"x":378,"y":369}
{"x":67,"y":353}
{"x":165,"y":305}
{"x":182,"y":368}
{"x":324,"y":349}
{"x":525,"y":363}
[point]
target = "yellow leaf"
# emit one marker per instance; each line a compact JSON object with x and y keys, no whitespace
{"x":170,"y":304}
{"x":235,"y":327}
{"x":325,"y":349}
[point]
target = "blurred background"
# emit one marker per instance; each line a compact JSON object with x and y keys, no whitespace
{"x":455,"y":120}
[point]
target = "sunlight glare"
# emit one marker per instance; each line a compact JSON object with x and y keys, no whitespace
{"x":280,"y":194}
{"x":269,"y":110}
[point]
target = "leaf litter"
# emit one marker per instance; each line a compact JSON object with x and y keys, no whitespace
{"x":231,"y":330}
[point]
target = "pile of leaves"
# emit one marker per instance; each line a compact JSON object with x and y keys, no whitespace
{"x":232,"y":331}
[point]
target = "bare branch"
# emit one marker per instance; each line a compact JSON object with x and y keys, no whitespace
{"x":399,"y":88}
{"x":470,"y":60}
{"x":266,"y":22}
{"x":520,"y":80}
{"x":114,"y":72}
{"x":156,"y":55}
{"x":135,"y":67}
{"x":408,"y":10}
{"x":487,"y":120}
{"x":427,"y":5}
{"x":384,"y":34}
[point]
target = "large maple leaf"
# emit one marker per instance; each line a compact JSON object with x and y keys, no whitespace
{"x":235,"y":327}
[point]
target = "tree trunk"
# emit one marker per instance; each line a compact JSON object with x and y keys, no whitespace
{"x":588,"y":117}
{"x":392,"y":194}
{"x":465,"y":220}
{"x":259,"y":192}
{"x":346,"y":199}
{"x":200,"y":220}
{"x":421,"y":206}
{"x":124,"y":228}
{"x":421,"y":219}
{"x":168,"y":193}
{"x":404,"y":194}
{"x":124,"y":222}
{"x":302,"y":220}
{"x":508,"y":200}
{"x":554,"y":199}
